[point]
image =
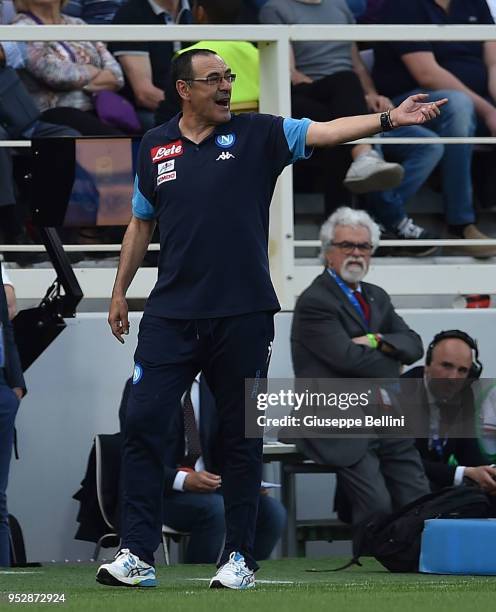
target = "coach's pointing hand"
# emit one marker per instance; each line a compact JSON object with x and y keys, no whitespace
{"x":415,"y":110}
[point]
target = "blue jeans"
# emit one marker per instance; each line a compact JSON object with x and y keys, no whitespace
{"x":8,"y":410}
{"x":418,"y":161}
{"x":202,"y":515}
{"x":458,"y":118}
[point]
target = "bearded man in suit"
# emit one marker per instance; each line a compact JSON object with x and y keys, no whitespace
{"x":345,"y":328}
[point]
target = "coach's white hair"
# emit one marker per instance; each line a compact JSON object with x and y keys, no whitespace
{"x":349,"y":217}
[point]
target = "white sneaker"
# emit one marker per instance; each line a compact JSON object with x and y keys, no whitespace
{"x":410,"y":230}
{"x":234,"y":574}
{"x":127,"y":570}
{"x":369,"y":172}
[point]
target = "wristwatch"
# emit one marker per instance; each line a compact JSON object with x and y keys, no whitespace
{"x":386,"y":123}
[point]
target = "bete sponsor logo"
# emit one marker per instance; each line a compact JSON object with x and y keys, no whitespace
{"x":172,"y":149}
{"x":163,"y":178}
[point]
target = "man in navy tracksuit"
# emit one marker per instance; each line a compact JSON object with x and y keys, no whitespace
{"x":207,"y":178}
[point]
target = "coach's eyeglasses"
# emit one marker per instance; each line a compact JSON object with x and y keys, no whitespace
{"x":214,"y":79}
{"x":348,"y":247}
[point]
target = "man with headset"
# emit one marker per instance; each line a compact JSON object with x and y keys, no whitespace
{"x":450,"y":449}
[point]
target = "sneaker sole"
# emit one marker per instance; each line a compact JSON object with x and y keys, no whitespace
{"x":379,"y":181}
{"x":105,"y":577}
{"x":217,"y":584}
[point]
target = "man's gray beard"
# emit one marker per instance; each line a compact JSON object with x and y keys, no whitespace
{"x":353,"y":276}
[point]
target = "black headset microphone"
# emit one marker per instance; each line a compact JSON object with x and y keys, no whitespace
{"x":476,"y":367}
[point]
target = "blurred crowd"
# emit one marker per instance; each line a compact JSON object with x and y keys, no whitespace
{"x":94,"y":89}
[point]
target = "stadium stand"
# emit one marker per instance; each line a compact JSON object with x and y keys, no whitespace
{"x":431,"y":283}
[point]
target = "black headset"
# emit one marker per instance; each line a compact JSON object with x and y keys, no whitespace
{"x":476,"y":367}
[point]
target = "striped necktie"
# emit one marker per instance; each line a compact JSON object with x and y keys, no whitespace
{"x":193,"y":443}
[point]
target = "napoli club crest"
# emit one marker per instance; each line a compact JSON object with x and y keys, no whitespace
{"x":137,"y":373}
{"x":225,"y":140}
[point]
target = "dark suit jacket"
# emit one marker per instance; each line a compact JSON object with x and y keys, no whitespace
{"x":466,"y":450}
{"x":13,"y":369}
{"x":208,"y":437}
{"x":324,"y":324}
{"x":208,"y":433}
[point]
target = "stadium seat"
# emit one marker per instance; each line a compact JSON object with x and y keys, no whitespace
{"x":105,"y":486}
{"x":168,"y":534}
{"x":107,"y":491}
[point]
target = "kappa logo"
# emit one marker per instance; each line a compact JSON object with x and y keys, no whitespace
{"x":167,"y":166}
{"x":164,"y":178}
{"x":225,"y":140}
{"x":225,"y":155}
{"x":162,"y":152}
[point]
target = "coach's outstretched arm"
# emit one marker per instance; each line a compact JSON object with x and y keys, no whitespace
{"x":134,"y":246}
{"x":412,"y":111}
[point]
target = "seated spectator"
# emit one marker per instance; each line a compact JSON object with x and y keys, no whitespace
{"x":446,"y":397}
{"x":93,"y":11}
{"x":193,"y":484}
{"x":241,"y":57}
{"x":345,"y":328}
{"x":12,"y":231}
{"x":330,"y":80}
{"x":461,"y":71}
{"x":146,"y":64}
{"x":63,"y":76}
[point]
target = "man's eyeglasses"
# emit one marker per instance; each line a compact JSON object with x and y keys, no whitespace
{"x":215,"y":79}
{"x":348,"y":247}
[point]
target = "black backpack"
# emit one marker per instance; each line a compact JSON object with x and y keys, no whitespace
{"x":394,"y":539}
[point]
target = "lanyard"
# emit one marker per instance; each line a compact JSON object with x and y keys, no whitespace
{"x":350,"y":295}
{"x":438,"y":445}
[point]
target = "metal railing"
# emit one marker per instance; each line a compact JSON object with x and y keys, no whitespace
{"x":274,"y":44}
